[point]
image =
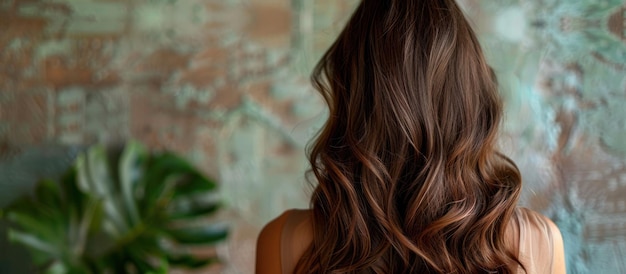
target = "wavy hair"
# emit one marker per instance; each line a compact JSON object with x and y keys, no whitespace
{"x":408,"y":177}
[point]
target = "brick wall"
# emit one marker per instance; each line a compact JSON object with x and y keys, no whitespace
{"x":224,"y":82}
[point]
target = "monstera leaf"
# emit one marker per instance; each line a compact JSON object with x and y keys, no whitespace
{"x":125,"y":212}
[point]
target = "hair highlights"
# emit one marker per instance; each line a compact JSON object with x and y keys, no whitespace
{"x":408,"y":177}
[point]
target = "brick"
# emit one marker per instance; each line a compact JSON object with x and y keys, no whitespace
{"x":227,"y":97}
{"x":14,"y":24}
{"x":617,"y":23}
{"x":26,"y":116}
{"x":160,"y":64}
{"x":59,"y":74}
{"x":270,"y":24}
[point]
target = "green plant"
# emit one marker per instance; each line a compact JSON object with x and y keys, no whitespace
{"x":128,"y":211}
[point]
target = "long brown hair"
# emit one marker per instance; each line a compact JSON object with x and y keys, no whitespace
{"x":408,"y":177}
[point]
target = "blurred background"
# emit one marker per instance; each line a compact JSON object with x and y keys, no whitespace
{"x":225,"y":84}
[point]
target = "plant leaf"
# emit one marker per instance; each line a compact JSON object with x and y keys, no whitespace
{"x":131,"y":171}
{"x":100,"y":177}
{"x":73,"y":200}
{"x":141,"y":260}
{"x":116,"y":216}
{"x":158,"y":193}
{"x":163,"y":268}
{"x":98,"y":171}
{"x":94,"y":178}
{"x":165,"y":169}
{"x":192,"y":210}
{"x":197,"y":184}
{"x":59,"y":267}
{"x":48,"y":193}
{"x":42,"y":228}
{"x":24,"y":205}
{"x":190,"y":261}
{"x":82,"y":174}
{"x":154,"y":184}
{"x":44,"y":220}
{"x":49,"y":205}
{"x":198,"y":235}
{"x":86,"y":222}
{"x":34,"y":242}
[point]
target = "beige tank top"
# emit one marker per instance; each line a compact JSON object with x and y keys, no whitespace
{"x":529,"y":232}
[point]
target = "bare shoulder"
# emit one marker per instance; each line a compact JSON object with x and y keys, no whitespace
{"x":298,"y":236}
{"x":268,"y":246}
{"x":301,"y":220}
{"x":545,"y":231}
{"x":538,"y":221}
{"x":282,"y":241}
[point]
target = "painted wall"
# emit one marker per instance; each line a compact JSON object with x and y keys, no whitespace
{"x":225,"y":82}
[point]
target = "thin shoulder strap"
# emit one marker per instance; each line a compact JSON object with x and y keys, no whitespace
{"x":284,"y":240}
{"x":536,"y":243}
{"x":268,"y":254}
{"x":295,"y":239}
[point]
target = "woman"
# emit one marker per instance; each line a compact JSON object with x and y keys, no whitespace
{"x":408,"y":177}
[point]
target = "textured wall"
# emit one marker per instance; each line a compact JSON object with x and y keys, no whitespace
{"x":563,"y":67}
{"x":225,"y":82}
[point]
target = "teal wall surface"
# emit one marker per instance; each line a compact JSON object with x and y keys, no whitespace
{"x":225,"y":83}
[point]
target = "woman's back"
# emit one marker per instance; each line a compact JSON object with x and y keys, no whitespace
{"x":531,"y":236}
{"x":407,"y":171}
